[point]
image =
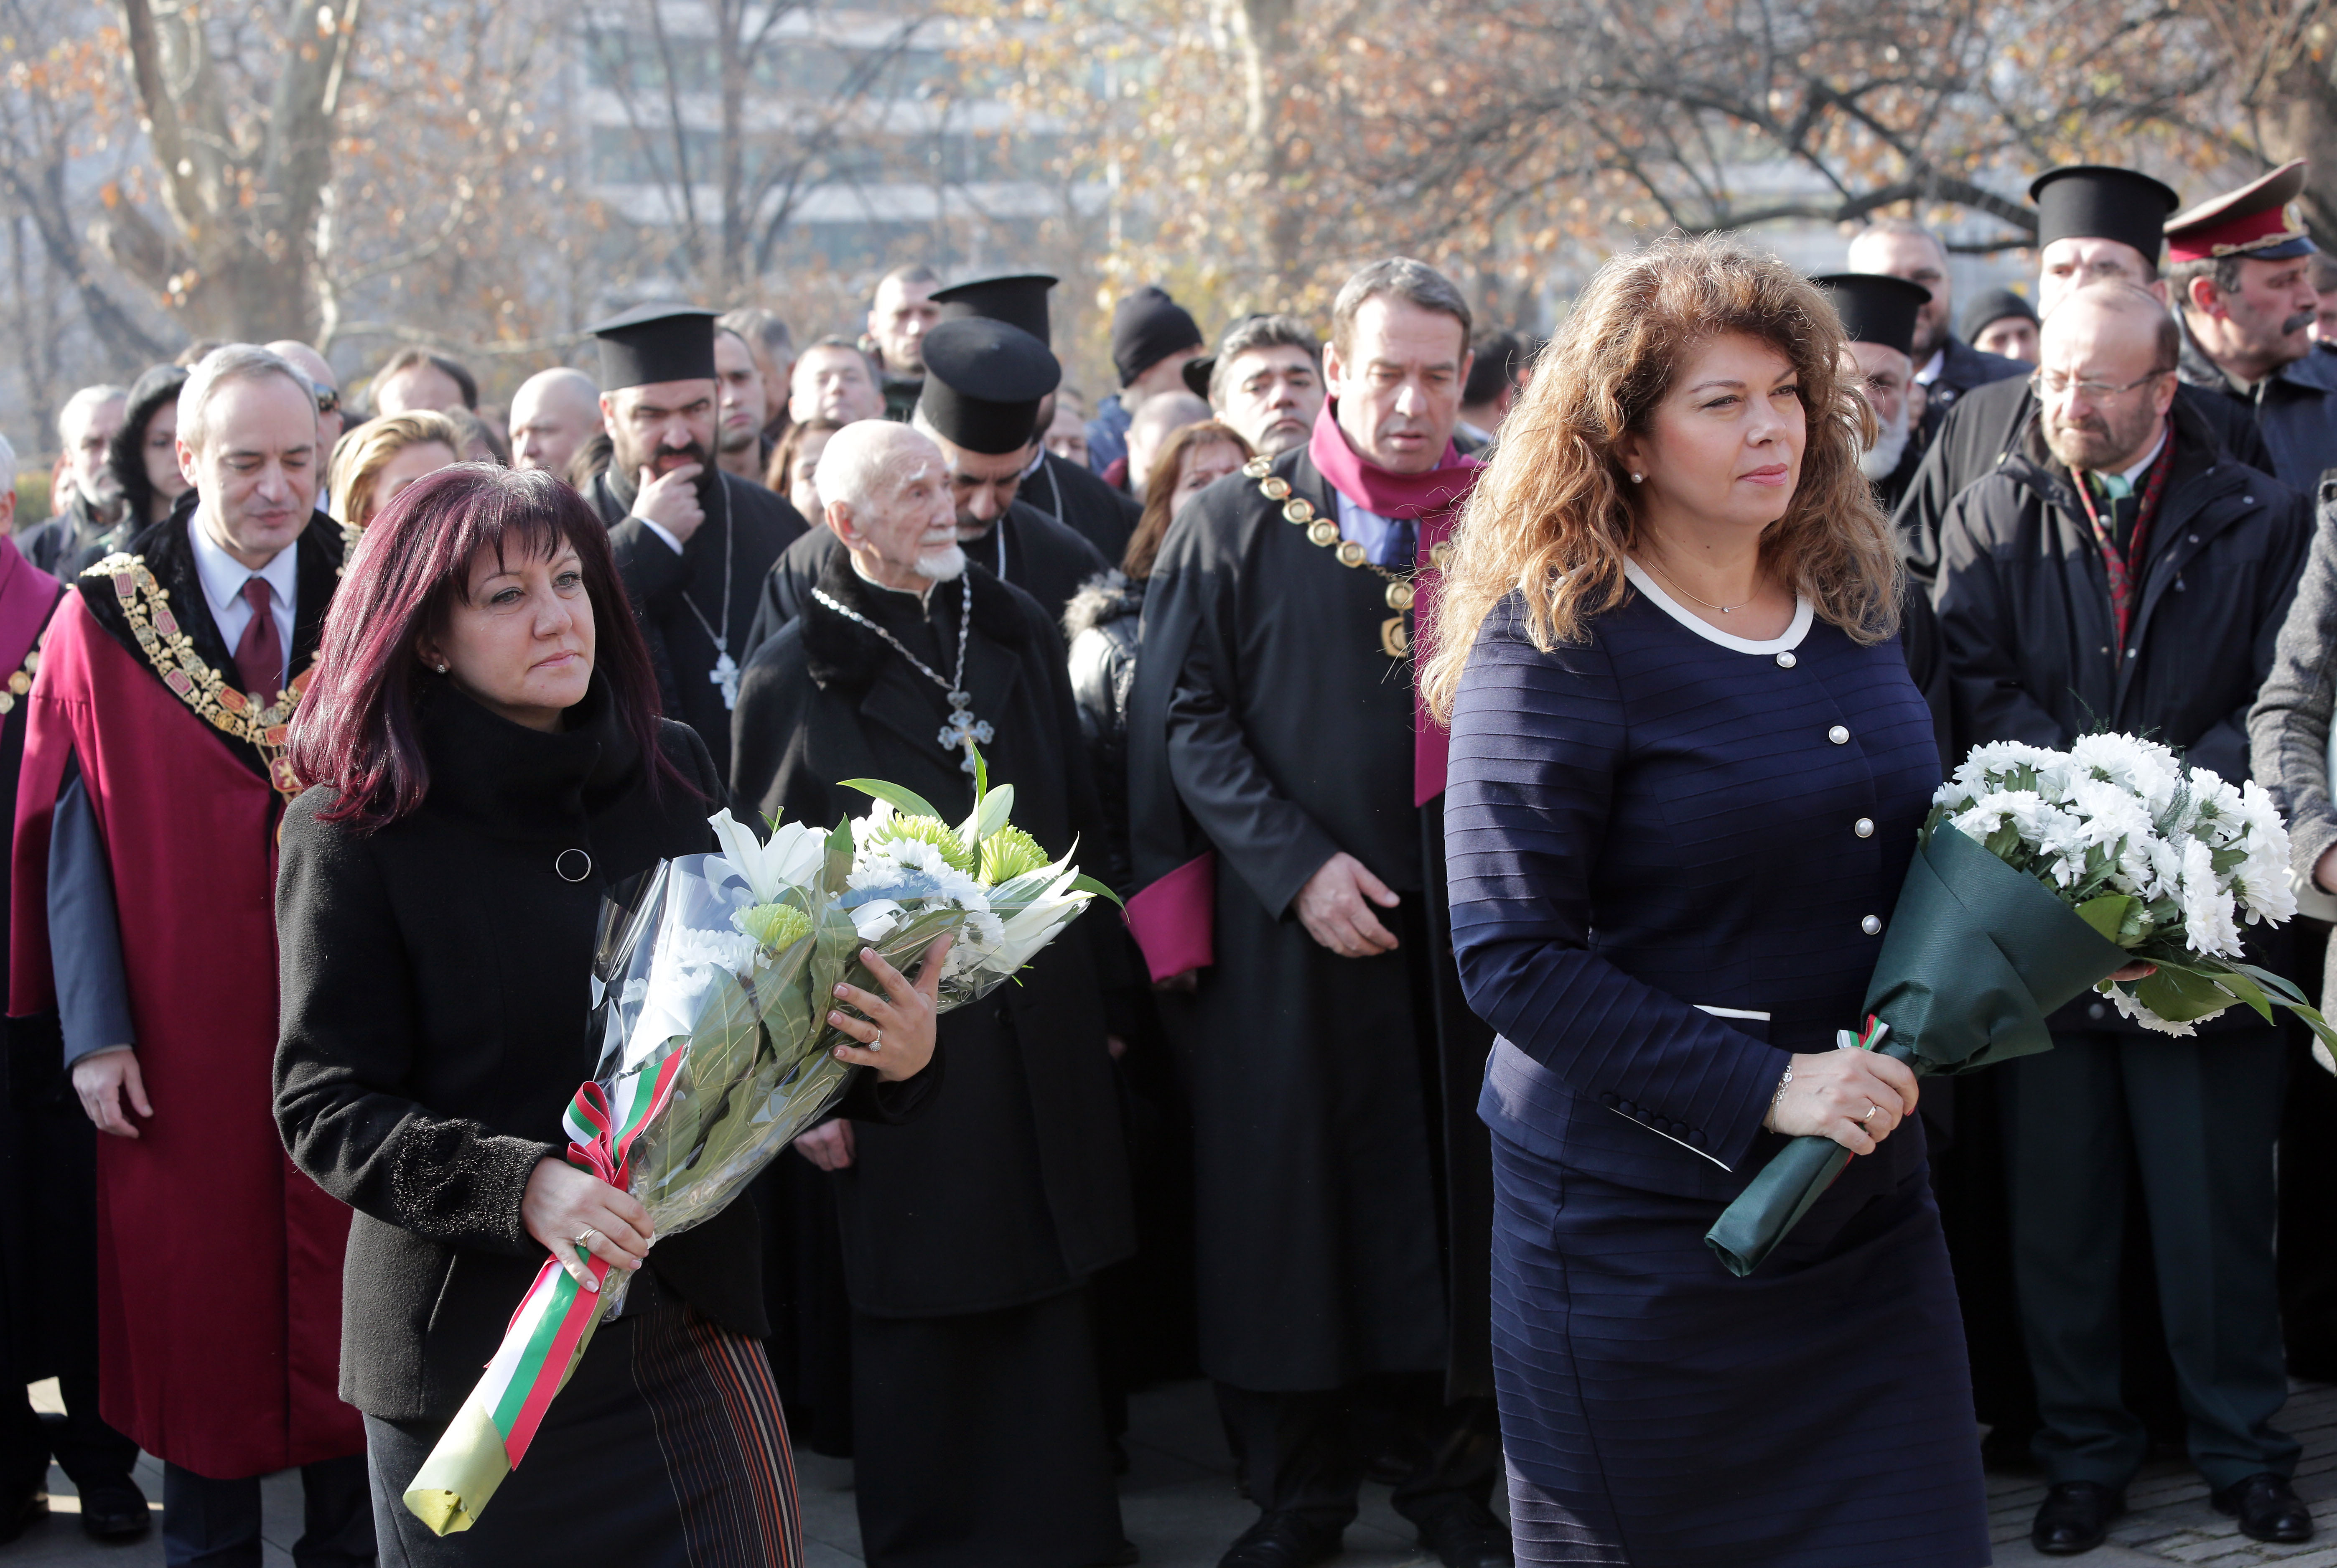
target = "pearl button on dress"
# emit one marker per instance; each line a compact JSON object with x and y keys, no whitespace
{"x":1838,"y":735}
{"x":1785,"y":659}
{"x":1863,"y":827}
{"x":1872,"y":924}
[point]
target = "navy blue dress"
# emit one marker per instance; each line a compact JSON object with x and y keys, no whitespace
{"x":1672,"y":855}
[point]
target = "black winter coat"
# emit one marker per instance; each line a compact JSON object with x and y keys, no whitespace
{"x":2025,"y":610}
{"x":1016,"y":1187}
{"x":437,"y":983}
{"x":1102,"y":623}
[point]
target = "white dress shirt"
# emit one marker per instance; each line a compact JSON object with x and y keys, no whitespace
{"x":223,"y":577}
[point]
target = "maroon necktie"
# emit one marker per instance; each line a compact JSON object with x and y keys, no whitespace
{"x":260,"y":653}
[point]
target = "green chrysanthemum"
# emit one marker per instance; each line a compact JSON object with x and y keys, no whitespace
{"x":1008,"y":854}
{"x":931,"y":831}
{"x":777,"y":926}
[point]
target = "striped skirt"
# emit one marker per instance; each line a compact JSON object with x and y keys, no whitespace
{"x":666,"y":1450}
{"x":1657,"y":1413}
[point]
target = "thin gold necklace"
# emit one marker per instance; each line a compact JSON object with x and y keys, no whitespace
{"x":1724,"y":609}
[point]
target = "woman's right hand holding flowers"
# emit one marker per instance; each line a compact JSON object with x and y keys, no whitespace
{"x":1854,"y":1097}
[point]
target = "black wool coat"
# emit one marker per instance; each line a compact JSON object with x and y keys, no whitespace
{"x":2025,"y":614}
{"x":436,"y":982}
{"x":1033,"y":552}
{"x":1016,"y":1188}
{"x":1988,"y":426}
{"x":678,"y":597}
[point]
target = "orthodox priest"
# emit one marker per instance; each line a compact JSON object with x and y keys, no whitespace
{"x":968,"y":1239}
{"x":977,"y":371}
{"x":1286,"y":798}
{"x":693,"y":543}
{"x":2093,"y":223}
{"x":1070,"y":492}
{"x":143,"y":910}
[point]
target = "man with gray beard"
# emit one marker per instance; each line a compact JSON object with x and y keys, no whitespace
{"x":2121,"y":571}
{"x":968,"y":1238}
{"x":1880,"y":315}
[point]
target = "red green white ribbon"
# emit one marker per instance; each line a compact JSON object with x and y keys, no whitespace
{"x":550,"y":1331}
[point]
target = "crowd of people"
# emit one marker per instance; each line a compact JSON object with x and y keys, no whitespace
{"x":1509,"y":752}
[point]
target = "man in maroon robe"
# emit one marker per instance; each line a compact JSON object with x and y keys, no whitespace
{"x":143,"y":911}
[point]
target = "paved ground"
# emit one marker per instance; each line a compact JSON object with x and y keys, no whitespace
{"x":1180,"y":1505}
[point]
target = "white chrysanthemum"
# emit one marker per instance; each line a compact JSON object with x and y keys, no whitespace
{"x":2142,"y":767}
{"x":2129,"y":1008}
{"x":978,"y":943}
{"x":2263,"y":878}
{"x":2207,"y":925}
{"x":895,"y":861}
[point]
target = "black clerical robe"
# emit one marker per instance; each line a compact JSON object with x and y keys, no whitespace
{"x":1033,"y":552}
{"x":679,"y":598}
{"x":1985,"y":427}
{"x":1080,"y":500}
{"x":968,"y":1238}
{"x":1343,"y":1181}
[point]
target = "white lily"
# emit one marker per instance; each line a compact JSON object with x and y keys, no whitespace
{"x":1027,"y":928}
{"x":789,"y":861}
{"x":875,"y":920}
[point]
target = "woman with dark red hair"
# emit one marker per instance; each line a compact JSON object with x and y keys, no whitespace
{"x":486,"y":760}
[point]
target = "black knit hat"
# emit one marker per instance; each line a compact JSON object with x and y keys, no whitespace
{"x":2095,"y":201}
{"x":983,"y":383}
{"x":1876,"y":308}
{"x":655,"y":343}
{"x":1147,"y":326}
{"x":1993,"y":307}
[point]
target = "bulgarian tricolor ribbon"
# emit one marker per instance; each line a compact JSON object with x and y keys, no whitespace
{"x":550,"y":1332}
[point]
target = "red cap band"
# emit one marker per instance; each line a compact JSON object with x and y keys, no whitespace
{"x":2223,"y":239}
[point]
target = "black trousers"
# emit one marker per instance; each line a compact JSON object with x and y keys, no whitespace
{"x":208,"y":1523}
{"x":2199,"y":1117}
{"x":1304,"y":1453}
{"x":978,"y":1440}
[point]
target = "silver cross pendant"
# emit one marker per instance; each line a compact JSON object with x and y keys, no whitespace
{"x":724,"y":674}
{"x":963,"y":730}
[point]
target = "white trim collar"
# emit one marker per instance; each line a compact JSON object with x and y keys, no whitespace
{"x":1799,"y":629}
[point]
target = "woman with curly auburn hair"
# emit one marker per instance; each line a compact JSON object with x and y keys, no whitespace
{"x":1688,"y":766}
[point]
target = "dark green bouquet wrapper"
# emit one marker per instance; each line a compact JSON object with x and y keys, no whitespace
{"x":1977,"y":956}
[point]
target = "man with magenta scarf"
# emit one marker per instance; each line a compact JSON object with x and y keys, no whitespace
{"x":1288,"y":828}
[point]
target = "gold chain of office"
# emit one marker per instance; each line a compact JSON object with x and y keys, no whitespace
{"x":1395,"y":641}
{"x":248,"y":716}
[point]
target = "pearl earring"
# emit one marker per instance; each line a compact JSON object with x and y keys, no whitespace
{"x":441,"y":669}
{"x":1635,"y":479}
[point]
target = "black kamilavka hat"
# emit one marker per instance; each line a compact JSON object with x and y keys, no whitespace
{"x":1019,"y":298}
{"x":1876,"y":308}
{"x":656,"y":342}
{"x":2096,"y":201}
{"x":984,"y":380}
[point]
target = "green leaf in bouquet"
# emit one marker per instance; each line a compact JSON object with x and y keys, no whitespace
{"x":2179,"y":994}
{"x":1086,"y":884}
{"x":836,"y":870}
{"x":2247,"y":990}
{"x":2285,"y":993}
{"x":2108,"y":914}
{"x":893,"y":795}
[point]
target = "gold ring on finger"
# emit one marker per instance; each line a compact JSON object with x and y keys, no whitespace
{"x":1871,"y":1109}
{"x":584,"y":1237}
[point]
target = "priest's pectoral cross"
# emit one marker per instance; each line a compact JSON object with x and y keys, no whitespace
{"x":724,"y":674}
{"x":964,"y":731}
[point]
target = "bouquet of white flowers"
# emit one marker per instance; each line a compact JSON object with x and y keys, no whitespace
{"x":2037,"y":875}
{"x":711,"y":993}
{"x":2167,"y":864}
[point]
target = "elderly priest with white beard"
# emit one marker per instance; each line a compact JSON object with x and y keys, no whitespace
{"x":969,"y":1239}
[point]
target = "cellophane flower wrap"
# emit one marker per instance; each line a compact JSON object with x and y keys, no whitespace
{"x":713,"y":987}
{"x":2036,"y":876}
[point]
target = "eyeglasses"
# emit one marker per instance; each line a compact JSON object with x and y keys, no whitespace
{"x":2053,"y":384}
